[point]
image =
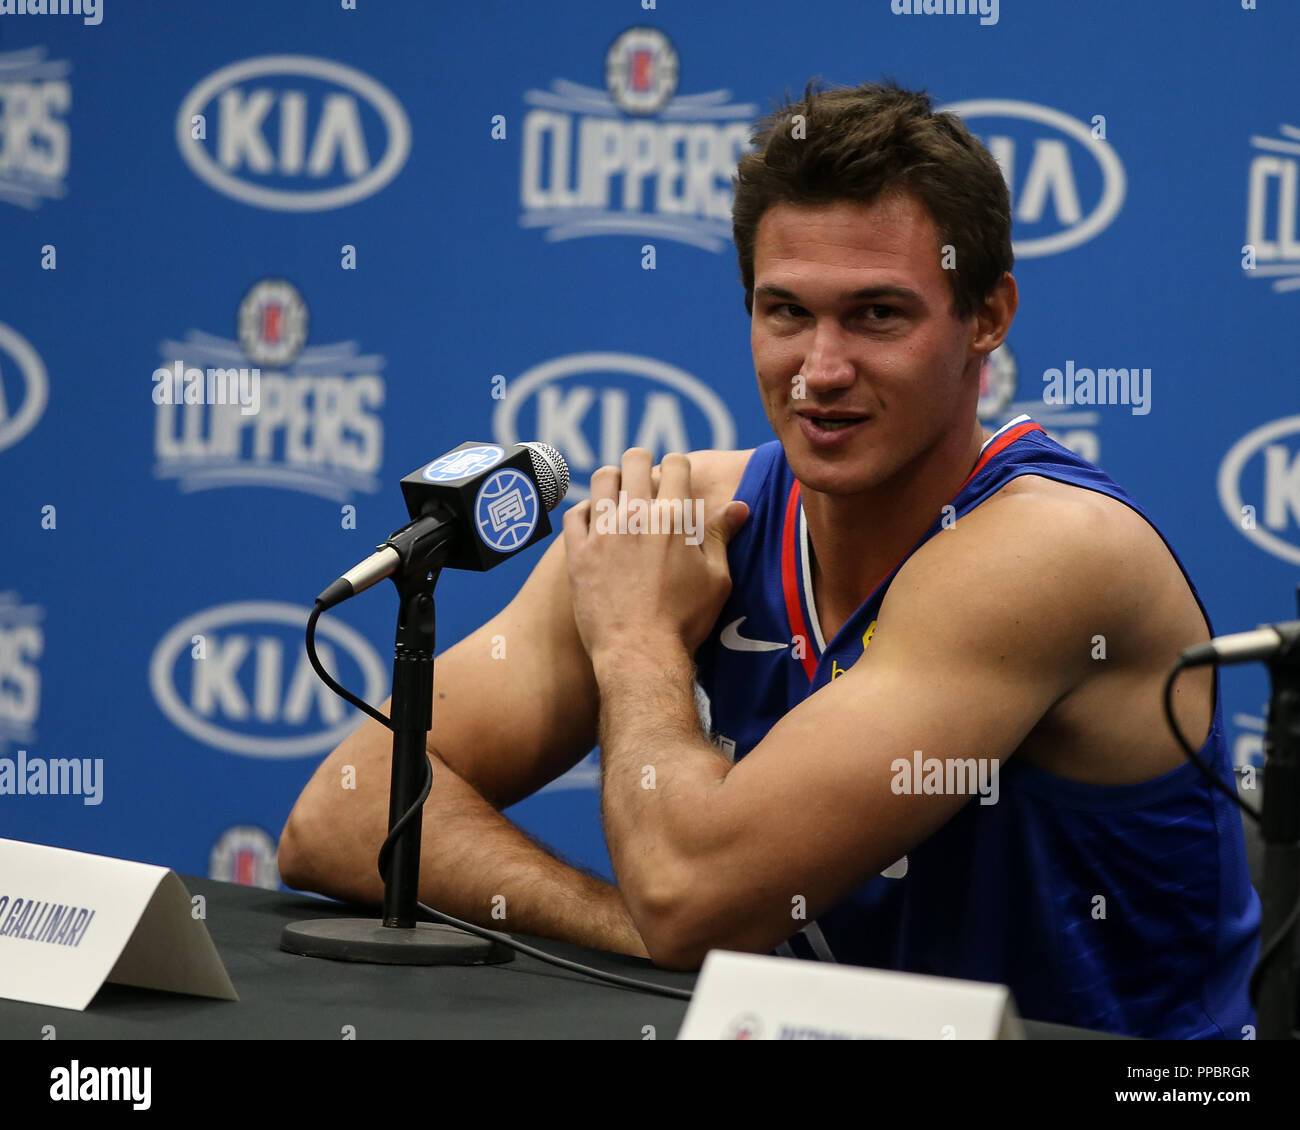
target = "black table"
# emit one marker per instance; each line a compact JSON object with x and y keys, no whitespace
{"x":284,"y":996}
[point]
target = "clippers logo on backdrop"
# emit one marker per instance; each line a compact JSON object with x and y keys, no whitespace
{"x":291,"y":133}
{"x":245,"y":854}
{"x":591,"y":407}
{"x":22,"y":642}
{"x":635,"y":158}
{"x":317,"y":426}
{"x":1273,"y":209}
{"x":999,"y":382}
{"x":1067,"y":184}
{"x":236,"y":677}
{"x":1259,"y":487}
{"x":34,"y":145}
{"x":24,"y":388}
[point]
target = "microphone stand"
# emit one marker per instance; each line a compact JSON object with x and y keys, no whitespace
{"x":1279,"y":1001}
{"x":399,"y":938}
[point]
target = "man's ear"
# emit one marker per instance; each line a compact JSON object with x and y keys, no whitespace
{"x":993,"y":318}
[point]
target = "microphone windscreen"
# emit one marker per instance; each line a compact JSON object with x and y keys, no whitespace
{"x":551,"y":472}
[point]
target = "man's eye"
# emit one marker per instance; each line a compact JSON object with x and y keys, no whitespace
{"x":875,"y":312}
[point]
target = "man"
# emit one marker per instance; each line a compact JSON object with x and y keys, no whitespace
{"x":933,"y":656}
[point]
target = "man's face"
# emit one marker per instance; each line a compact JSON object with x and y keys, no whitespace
{"x":854,"y":297}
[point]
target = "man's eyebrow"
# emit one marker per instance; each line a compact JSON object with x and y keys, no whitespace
{"x":768,"y":290}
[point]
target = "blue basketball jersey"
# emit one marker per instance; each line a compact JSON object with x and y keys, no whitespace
{"x":1004,"y":892}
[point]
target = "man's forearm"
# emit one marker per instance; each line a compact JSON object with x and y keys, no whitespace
{"x":474,"y":863}
{"x":658,"y":769}
{"x":475,"y":859}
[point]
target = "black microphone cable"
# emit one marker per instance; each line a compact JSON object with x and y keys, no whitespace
{"x":385,"y":851}
{"x":1270,"y":949}
{"x":1179,"y":667}
{"x":328,"y":679}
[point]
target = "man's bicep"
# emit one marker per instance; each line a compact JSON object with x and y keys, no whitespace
{"x":515,"y":702}
{"x":870,"y":766}
{"x":966,"y":658}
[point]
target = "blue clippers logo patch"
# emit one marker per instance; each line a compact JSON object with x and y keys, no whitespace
{"x":461,"y":464}
{"x":506,"y":510}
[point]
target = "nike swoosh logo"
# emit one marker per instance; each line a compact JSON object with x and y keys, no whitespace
{"x":732,"y":639}
{"x":896,"y":870}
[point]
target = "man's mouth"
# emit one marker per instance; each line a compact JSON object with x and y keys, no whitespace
{"x":833,"y":421}
{"x":832,"y":431}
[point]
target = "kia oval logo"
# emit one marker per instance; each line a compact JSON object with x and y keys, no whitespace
{"x":1051,"y":181}
{"x":237,"y":677}
{"x":591,"y":407}
{"x":24,"y":389}
{"x":1273,"y":483}
{"x":316,"y":124}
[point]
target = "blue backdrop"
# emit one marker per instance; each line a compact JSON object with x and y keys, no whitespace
{"x":429,"y":223}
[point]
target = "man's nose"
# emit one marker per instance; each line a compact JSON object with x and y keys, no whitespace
{"x":827,"y":363}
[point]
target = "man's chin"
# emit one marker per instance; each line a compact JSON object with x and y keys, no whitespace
{"x":832,"y":476}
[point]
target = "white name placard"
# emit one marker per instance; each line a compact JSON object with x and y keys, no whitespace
{"x":745,"y":996}
{"x":70,"y":921}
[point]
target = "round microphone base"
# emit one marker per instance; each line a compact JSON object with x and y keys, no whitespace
{"x":369,"y":940}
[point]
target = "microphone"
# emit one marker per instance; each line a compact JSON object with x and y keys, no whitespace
{"x":1267,"y":642}
{"x":471,"y":509}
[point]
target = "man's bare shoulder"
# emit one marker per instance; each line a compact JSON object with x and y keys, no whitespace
{"x":1098,"y":528}
{"x":1123,"y":562}
{"x":1039,"y":549}
{"x":1073,"y":561}
{"x":716,"y":475}
{"x":1032,"y":510}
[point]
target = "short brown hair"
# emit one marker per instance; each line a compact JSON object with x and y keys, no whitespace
{"x":859,"y":143}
